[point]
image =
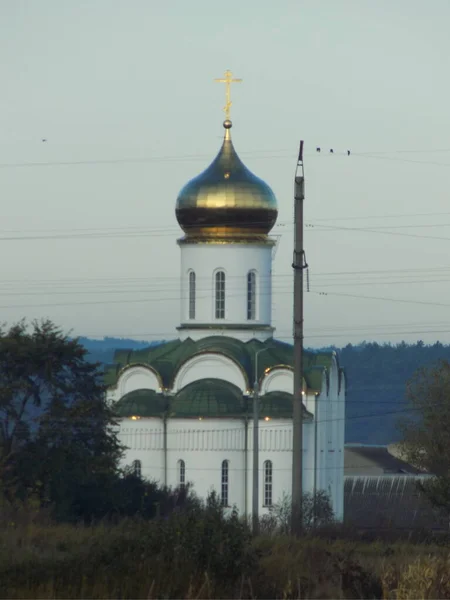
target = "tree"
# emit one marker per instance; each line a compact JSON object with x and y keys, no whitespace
{"x":57,"y":434}
{"x":426,"y":430}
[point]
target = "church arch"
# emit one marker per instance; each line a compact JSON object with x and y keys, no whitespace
{"x":137,"y":468}
{"x":181,"y":473}
{"x":192,"y":284}
{"x":278,"y":379}
{"x":138,"y":377}
{"x":224,"y":482}
{"x":251,"y":295}
{"x":219,"y":294}
{"x":267,"y":483}
{"x":210,"y":364}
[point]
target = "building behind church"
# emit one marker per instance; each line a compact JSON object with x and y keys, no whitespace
{"x":185,"y":406}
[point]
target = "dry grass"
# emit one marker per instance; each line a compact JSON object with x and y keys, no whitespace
{"x":202,"y":556}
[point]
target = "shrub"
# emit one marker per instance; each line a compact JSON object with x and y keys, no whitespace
{"x":317,"y":513}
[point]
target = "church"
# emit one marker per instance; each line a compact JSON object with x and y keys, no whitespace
{"x":186,"y":405}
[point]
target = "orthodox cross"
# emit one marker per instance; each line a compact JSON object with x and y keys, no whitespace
{"x":228,"y":80}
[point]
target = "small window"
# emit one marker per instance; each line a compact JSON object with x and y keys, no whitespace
{"x":267,"y":483}
{"x":137,"y":468}
{"x":220,"y":295}
{"x":191,"y":295}
{"x":181,"y":473}
{"x":224,"y":484}
{"x":251,"y":296}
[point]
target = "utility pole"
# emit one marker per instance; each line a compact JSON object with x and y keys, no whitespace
{"x":297,"y":420}
{"x":255,"y":494}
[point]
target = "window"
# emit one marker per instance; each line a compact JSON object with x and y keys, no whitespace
{"x":224,"y":484}
{"x":220,"y":295}
{"x":137,"y":468}
{"x":251,"y":296}
{"x":181,"y":473}
{"x":191,"y":295}
{"x":267,"y":483}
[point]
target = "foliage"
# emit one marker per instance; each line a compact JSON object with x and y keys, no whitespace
{"x":198,"y":547}
{"x":57,"y":437}
{"x":199,"y":550}
{"x":204,"y":553}
{"x":425,"y":577}
{"x":426,"y":430}
{"x":317,"y":513}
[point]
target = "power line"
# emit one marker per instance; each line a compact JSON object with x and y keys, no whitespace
{"x":249,"y":154}
{"x":242,"y":294}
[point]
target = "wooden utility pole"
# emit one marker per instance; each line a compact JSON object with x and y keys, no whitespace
{"x":298,"y":265}
{"x":255,"y":487}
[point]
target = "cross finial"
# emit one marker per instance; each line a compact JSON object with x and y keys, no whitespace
{"x":228,"y":80}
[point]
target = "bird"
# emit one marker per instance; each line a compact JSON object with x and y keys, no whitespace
{"x":317,"y":149}
{"x":348,"y":152}
{"x":44,"y":140}
{"x":331,"y":150}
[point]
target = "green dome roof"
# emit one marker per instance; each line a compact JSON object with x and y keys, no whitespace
{"x":226,"y":200}
{"x":168,"y":357}
{"x":209,"y":398}
{"x":277,"y":405}
{"x":141,"y":403}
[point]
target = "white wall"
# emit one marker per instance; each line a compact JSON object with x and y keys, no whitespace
{"x":213,"y":365}
{"x":330,"y":414}
{"x":145,"y":442}
{"x":138,"y":378}
{"x":204,"y":444}
{"x":278,"y":379}
{"x":236,"y":260}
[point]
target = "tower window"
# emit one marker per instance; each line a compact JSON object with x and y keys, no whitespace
{"x":267,"y":468}
{"x":224,"y":484}
{"x":181,"y":473}
{"x":192,"y":295}
{"x":251,"y":296}
{"x":137,"y":468}
{"x":220,"y":295}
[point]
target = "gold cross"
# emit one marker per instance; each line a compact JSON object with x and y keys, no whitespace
{"x":228,"y":80}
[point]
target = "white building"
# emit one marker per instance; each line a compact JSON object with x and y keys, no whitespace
{"x":186,"y":405}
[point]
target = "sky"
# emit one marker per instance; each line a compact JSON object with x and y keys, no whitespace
{"x":123,"y":93}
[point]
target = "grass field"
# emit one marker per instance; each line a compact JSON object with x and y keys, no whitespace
{"x":203,"y":554}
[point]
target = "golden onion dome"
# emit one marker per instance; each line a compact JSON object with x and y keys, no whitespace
{"x":226,"y":200}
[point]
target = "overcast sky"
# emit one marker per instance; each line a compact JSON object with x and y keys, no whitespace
{"x":109,"y":82}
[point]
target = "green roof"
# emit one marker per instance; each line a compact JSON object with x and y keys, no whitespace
{"x":204,"y":398}
{"x":142,"y":403}
{"x":278,"y":405}
{"x":168,"y":357}
{"x":209,"y":398}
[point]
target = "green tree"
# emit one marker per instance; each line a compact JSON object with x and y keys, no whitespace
{"x":426,"y":430}
{"x":57,"y":434}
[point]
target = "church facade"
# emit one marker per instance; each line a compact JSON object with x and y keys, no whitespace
{"x":186,"y":406}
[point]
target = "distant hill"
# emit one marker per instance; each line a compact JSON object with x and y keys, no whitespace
{"x":376,"y":379}
{"x":103,"y":350}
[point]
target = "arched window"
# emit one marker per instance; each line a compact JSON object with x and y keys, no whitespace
{"x":251,"y":296}
{"x":267,"y":467}
{"x":224,"y":483}
{"x":191,"y":294}
{"x":181,"y":473}
{"x":137,"y":468}
{"x":220,"y":295}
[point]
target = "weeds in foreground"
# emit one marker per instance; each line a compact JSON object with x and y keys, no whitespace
{"x":203,"y":553}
